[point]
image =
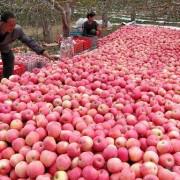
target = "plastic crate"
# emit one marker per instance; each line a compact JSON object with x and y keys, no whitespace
{"x":87,"y":42}
{"x":78,"y":46}
{"x":18,"y":69}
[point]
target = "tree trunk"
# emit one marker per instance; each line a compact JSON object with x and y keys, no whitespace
{"x":65,"y":12}
{"x":133,"y":12}
{"x":66,"y":19}
{"x":105,"y":10}
{"x":47,"y":31}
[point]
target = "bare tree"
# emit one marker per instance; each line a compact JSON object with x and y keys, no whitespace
{"x":64,"y":9}
{"x":106,"y":6}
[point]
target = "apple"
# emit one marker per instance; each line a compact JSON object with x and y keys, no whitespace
{"x":32,"y":155}
{"x":73,"y":150}
{"x":49,"y":143}
{"x":136,"y":168}
{"x":32,"y":138}
{"x":85,"y":159}
{"x":150,"y":177}
{"x":114,"y":165}
{"x":53,"y":129}
{"x":90,"y":173}
{"x":7,"y":153}
{"x":98,"y":161}
{"x":167,"y":160}
{"x":149,"y":168}
{"x":5,"y":166}
{"x":12,"y":134}
{"x":16,"y":124}
{"x":123,"y":154}
{"x":75,"y":173}
{"x":100,"y":143}
{"x":35,"y":168}
{"x":165,"y":173}
{"x":21,"y":169}
{"x":164,"y":146}
{"x":132,"y":142}
{"x":3,"y":145}
{"x":103,"y":174}
{"x":62,"y":147}
{"x":135,"y":154}
{"x":151,"y":156}
{"x":48,"y":158}
{"x":177,"y":158}
{"x":60,"y":175}
{"x":63,"y":162}
{"x":110,"y":151}
{"x":127,"y":174}
{"x":15,"y":159}
{"x":86,"y":143}
{"x":120,"y":142}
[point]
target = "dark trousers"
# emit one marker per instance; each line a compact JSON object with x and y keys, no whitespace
{"x":8,"y":64}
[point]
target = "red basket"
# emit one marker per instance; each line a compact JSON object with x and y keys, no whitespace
{"x":87,"y":42}
{"x":18,"y":69}
{"x":78,"y":47}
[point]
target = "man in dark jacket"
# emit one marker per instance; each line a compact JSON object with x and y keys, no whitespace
{"x":9,"y":32}
{"x":91,"y":27}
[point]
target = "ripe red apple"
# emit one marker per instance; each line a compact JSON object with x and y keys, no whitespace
{"x":21,"y":169}
{"x":85,"y":159}
{"x":135,"y":154}
{"x":49,"y":143}
{"x":177,"y":158}
{"x":136,"y":168}
{"x":167,"y":160}
{"x":53,"y":129}
{"x":114,"y":165}
{"x":127,"y":174}
{"x":73,"y":150}
{"x":62,"y":147}
{"x":151,"y":156}
{"x":164,"y":146}
{"x":48,"y":158}
{"x":15,"y":159}
{"x":165,"y":173}
{"x":75,"y":173}
{"x":61,"y":175}
{"x":123,"y":154}
{"x":5,"y":166}
{"x":90,"y":173}
{"x":149,"y":168}
{"x":63,"y":162}
{"x":7,"y":153}
{"x":35,"y":168}
{"x":86,"y":143}
{"x":32,"y":138}
{"x":120,"y":142}
{"x":98,"y":161}
{"x":32,"y":155}
{"x":100,"y":143}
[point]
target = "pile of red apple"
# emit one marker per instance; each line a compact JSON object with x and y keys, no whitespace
{"x":112,"y":113}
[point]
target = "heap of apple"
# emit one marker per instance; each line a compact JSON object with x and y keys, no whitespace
{"x":112,"y":113}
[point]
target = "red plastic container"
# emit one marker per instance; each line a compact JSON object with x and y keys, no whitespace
{"x":79,"y":46}
{"x":18,"y":69}
{"x":86,"y":42}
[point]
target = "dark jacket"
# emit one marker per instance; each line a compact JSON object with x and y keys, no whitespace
{"x":89,"y":29}
{"x":18,"y":34}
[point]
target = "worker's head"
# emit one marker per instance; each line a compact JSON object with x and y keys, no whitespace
{"x":91,"y":16}
{"x":9,"y":21}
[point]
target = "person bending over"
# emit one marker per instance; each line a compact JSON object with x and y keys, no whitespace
{"x":9,"y":32}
